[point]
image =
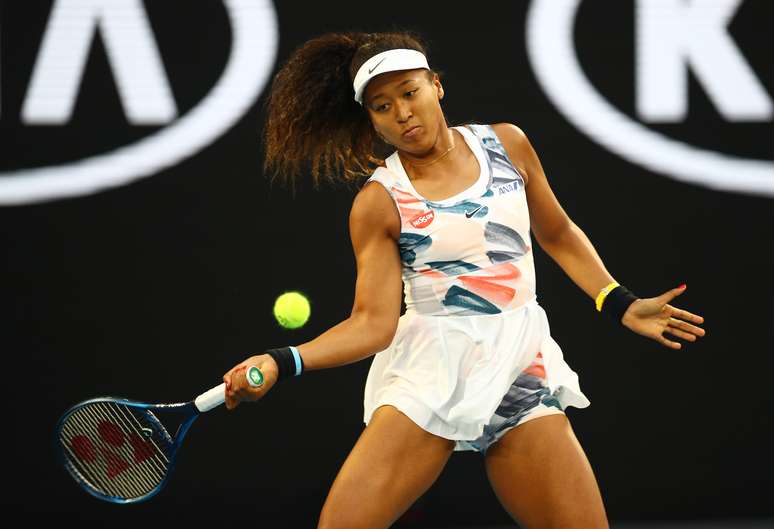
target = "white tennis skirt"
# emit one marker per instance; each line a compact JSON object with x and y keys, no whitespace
{"x":448,"y":374}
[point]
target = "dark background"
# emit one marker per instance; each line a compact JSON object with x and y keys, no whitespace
{"x":153,"y":290}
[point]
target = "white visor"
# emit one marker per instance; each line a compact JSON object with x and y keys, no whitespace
{"x":387,"y":61}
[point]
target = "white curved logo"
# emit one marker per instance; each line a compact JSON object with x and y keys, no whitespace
{"x":554,"y":60}
{"x":253,"y":50}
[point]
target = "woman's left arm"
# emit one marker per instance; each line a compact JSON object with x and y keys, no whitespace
{"x":569,"y":247}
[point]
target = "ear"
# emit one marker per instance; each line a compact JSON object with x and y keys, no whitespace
{"x":438,"y":86}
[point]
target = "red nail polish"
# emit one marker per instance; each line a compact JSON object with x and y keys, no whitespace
{"x":683,"y":286}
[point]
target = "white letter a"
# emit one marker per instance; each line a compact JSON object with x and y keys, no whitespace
{"x":131,"y":51}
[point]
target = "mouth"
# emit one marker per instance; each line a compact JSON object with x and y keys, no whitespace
{"x":411,"y":131}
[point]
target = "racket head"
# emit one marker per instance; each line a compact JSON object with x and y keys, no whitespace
{"x":117,"y":450}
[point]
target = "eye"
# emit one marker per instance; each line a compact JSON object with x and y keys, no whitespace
{"x":411,"y":92}
{"x":381,"y":108}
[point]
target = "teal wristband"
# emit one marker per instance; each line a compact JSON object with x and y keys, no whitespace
{"x":289,"y":362}
{"x":297,"y":359}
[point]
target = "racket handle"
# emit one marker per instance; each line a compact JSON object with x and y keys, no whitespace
{"x":211,"y":398}
{"x":216,"y":396}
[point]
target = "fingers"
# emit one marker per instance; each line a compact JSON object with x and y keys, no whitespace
{"x":687,"y":316}
{"x":669,"y":343}
{"x":687,"y":327}
{"x":680,"y":329}
{"x":669,"y":295}
{"x":681,"y":334}
{"x":238,"y":381}
{"x":653,"y":317}
{"x":231,"y":379}
{"x":231,"y":400}
{"x":238,"y":388}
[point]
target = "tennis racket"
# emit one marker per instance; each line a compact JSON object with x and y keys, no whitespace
{"x":119,"y":451}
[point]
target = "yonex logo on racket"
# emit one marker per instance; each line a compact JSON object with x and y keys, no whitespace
{"x":112,"y":451}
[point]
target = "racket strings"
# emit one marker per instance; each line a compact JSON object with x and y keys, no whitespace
{"x":117,"y":450}
{"x":109,"y":459}
{"x":97,"y":447}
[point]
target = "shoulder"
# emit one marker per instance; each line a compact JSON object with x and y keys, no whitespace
{"x":374,"y":208}
{"x":510,"y":135}
{"x":516,"y":144}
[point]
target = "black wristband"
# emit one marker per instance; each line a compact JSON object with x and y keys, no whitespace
{"x":286,"y":362}
{"x":617,"y":301}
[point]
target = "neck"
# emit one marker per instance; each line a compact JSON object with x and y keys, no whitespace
{"x":441,"y":149}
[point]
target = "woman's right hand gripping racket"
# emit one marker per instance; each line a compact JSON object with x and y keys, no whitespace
{"x":118,"y":450}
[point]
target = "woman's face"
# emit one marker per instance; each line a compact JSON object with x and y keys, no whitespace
{"x":404,"y":107}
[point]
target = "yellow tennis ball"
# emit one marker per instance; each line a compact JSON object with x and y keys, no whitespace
{"x":292,"y":310}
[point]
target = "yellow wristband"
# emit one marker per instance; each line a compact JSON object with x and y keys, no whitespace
{"x":603,"y":294}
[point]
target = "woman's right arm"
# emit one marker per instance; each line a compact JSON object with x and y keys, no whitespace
{"x":374,"y":226}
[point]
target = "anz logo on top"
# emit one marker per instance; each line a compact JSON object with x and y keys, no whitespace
{"x":143,"y":89}
{"x":672,"y":37}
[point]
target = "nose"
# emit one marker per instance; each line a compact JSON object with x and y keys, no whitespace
{"x":402,"y":111}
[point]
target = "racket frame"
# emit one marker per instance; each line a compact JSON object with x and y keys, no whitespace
{"x":190,"y":412}
{"x":205,"y":402}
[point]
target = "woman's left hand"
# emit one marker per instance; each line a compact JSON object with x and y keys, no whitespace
{"x":652,"y":317}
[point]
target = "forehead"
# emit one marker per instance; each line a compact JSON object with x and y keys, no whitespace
{"x":390,"y":81}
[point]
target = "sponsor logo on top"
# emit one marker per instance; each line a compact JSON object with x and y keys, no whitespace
{"x":423,"y":220}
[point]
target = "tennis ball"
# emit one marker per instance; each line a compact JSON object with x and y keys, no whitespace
{"x":291,"y":310}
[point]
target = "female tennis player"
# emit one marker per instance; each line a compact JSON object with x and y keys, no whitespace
{"x":471,"y":364}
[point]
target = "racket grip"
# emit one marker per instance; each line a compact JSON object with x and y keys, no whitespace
{"x":216,"y":396}
{"x":211,"y":398}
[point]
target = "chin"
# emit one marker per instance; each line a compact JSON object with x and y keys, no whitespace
{"x":420,"y":145}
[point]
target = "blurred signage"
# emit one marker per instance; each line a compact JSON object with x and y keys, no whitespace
{"x":671,"y":38}
{"x":143,"y":88}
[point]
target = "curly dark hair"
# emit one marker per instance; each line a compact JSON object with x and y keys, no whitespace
{"x":313,"y":122}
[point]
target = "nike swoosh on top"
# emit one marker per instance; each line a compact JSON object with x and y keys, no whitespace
{"x":370,"y":70}
{"x":469,"y":214}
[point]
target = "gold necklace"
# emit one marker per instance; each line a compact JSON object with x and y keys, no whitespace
{"x":454,"y":144}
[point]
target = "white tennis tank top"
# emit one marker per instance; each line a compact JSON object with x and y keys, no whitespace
{"x":470,"y":253}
